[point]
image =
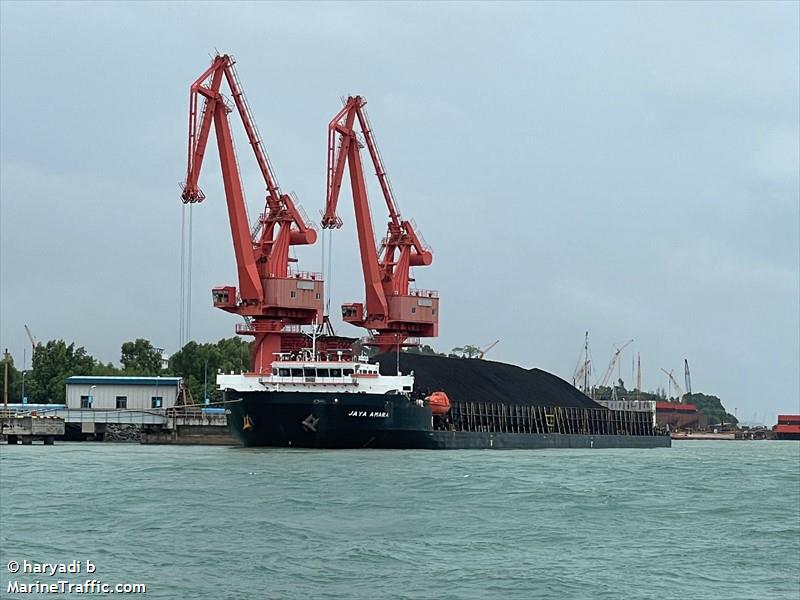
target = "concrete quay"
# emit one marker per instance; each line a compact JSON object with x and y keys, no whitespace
{"x":26,"y":429}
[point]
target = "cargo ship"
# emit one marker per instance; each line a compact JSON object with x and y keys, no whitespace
{"x":353,"y":403}
{"x":330,"y":398}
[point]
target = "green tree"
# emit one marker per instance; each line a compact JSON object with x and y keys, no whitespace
{"x":199,"y":364}
{"x":105,"y":370}
{"x":140,"y":358}
{"x":467,"y":351}
{"x":360,"y":348}
{"x":710,"y":406}
{"x":52,"y":363}
{"x":423,"y":349}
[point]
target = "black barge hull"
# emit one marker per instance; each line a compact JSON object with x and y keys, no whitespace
{"x":315,"y":420}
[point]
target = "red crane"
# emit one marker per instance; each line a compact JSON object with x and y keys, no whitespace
{"x":270,"y":294}
{"x":392,"y":312}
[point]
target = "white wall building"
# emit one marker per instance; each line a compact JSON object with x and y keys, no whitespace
{"x":131,"y":393}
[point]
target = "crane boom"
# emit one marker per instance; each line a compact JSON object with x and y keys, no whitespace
{"x":392,"y":311}
{"x":34,"y":343}
{"x":612,"y":363}
{"x":269,"y":296}
{"x":579,"y":374}
{"x":675,"y":383}
{"x":489,"y":347}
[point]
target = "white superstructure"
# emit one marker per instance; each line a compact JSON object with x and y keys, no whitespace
{"x":326,"y":376}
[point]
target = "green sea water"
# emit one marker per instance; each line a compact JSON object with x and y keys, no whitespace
{"x":699,"y":520}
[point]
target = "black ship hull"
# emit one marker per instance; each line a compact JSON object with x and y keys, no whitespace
{"x":327,"y":420}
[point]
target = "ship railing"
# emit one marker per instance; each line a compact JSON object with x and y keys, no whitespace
{"x":313,"y":275}
{"x":302,"y":380}
{"x":245,"y":329}
{"x":423,"y":293}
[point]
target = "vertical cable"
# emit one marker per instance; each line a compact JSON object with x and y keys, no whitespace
{"x":330,"y":274}
{"x":324,"y":275}
{"x":183,"y":276}
{"x":189,"y":279}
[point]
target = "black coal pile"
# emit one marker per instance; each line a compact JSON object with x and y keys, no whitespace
{"x":474,"y":380}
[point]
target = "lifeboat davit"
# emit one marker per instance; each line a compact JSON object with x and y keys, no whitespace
{"x":439,"y":403}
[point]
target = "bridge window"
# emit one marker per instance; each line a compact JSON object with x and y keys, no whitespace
{"x":348,"y":372}
{"x":336,"y":372}
{"x":322,"y":373}
{"x":283,"y":372}
{"x":297,"y":372}
{"x":84,"y":401}
{"x":122,"y":402}
{"x":156,"y":402}
{"x":310,"y":372}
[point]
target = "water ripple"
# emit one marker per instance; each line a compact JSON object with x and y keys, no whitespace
{"x":700,"y":520}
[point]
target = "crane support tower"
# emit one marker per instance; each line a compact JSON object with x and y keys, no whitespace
{"x":393,"y":312}
{"x":270,"y":295}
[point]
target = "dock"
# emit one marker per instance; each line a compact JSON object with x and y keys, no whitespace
{"x":186,"y":425}
{"x":26,"y":429}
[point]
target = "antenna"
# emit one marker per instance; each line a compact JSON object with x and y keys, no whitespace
{"x":638,"y":374}
{"x":586,"y":364}
{"x":5,"y":381}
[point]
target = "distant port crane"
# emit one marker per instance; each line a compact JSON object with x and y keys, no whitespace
{"x":485,"y":351}
{"x":583,"y":370}
{"x":674,"y":382}
{"x":612,"y":363}
{"x":32,"y":339}
{"x":270,"y":296}
{"x":393,"y":313}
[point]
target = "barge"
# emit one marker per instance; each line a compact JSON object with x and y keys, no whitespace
{"x":351,"y":404}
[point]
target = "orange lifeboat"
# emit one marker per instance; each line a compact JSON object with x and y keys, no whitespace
{"x":439,"y":403}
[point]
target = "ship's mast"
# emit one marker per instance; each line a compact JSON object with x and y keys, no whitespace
{"x":586,"y":363}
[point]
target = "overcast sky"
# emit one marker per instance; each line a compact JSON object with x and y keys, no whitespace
{"x":626,"y":169}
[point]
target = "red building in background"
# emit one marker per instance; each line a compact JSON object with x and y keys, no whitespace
{"x":678,"y":416}
{"x":788,"y":427}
